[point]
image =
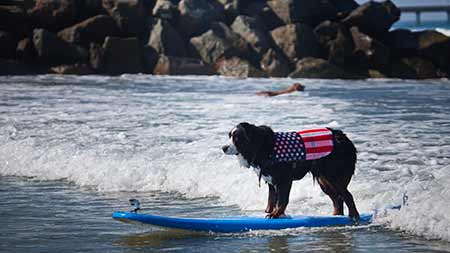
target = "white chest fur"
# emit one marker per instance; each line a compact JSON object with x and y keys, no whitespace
{"x":267,"y":179}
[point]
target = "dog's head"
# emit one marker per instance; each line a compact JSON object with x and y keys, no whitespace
{"x":250,"y":143}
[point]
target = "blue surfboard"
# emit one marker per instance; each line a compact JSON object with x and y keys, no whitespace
{"x":237,"y":224}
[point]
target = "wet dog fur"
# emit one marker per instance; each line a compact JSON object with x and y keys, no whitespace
{"x":253,"y":146}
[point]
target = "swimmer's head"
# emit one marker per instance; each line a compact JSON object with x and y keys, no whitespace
{"x":299,"y":87}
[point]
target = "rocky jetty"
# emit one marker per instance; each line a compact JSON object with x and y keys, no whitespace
{"x":260,"y":38}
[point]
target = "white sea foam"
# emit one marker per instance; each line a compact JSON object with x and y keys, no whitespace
{"x":446,"y":32}
{"x":141,"y":133}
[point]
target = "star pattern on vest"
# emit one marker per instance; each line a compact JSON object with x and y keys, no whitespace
{"x":288,"y":147}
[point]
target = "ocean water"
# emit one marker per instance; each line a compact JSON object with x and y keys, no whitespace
{"x":75,"y":149}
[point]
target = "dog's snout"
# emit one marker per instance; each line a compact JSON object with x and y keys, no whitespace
{"x":225,"y":148}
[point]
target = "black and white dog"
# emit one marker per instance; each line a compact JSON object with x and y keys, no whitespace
{"x":281,"y":157}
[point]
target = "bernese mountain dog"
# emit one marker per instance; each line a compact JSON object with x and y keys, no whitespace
{"x":281,"y":157}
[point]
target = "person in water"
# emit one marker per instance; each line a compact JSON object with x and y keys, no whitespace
{"x":292,"y":88}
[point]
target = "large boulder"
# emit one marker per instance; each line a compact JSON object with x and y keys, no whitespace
{"x":54,"y":15}
{"x":237,"y":67}
{"x":117,"y":56}
{"x":166,"y":40}
{"x":318,"y":68}
{"x":263,"y":13}
{"x":15,"y":20}
{"x":434,"y":46}
{"x":219,"y":41}
{"x":132,"y":16}
{"x":274,"y":64}
{"x":52,"y":50}
{"x":196,"y":16}
{"x":94,"y":29}
{"x":338,"y":42}
{"x":412,"y":68}
{"x":76,"y":69}
{"x":340,"y":50}
{"x":8,"y":43}
{"x":374,"y":18}
{"x":402,"y":41}
{"x":11,"y":67}
{"x":25,"y":51}
{"x":149,"y":59}
{"x":96,"y":53}
{"x":165,"y":9}
{"x":344,"y":6}
{"x":170,"y":65}
{"x":310,"y":12}
{"x":232,"y":8}
{"x":369,"y":51}
{"x":297,"y":41}
{"x":326,"y":32}
{"x":90,"y":8}
{"x":429,"y":44}
{"x":252,"y":31}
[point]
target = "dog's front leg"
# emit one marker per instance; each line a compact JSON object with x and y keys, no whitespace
{"x":283,"y":190}
{"x":272,"y":200}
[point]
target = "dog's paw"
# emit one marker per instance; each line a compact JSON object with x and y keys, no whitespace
{"x":276,"y":214}
{"x":355,"y":219}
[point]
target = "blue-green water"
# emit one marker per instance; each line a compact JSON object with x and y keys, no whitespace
{"x":75,"y":149}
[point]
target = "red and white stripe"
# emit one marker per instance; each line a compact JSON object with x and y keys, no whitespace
{"x":318,"y":142}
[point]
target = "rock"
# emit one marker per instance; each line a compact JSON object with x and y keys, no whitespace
{"x":90,"y":8}
{"x":169,"y":65}
{"x":310,"y":12}
{"x":23,"y":4}
{"x":196,"y":16}
{"x":12,"y":67}
{"x":25,"y":51}
{"x":263,"y":13}
{"x":429,"y":44}
{"x":166,"y":40}
{"x":274,"y":64}
{"x":375,"y":74}
{"x":232,"y":8}
{"x":8,"y":44}
{"x":344,"y":6}
{"x":76,"y":69}
{"x":94,"y":29}
{"x":341,"y":48}
{"x":13,"y":19}
{"x":219,"y":41}
{"x":326,"y":32}
{"x":150,"y":58}
{"x":318,"y":68}
{"x":96,"y":53}
{"x":54,"y":15}
{"x":52,"y":50}
{"x":369,"y":51}
{"x":412,"y":68}
{"x":252,"y":31}
{"x":434,"y":46}
{"x":117,"y":56}
{"x":165,"y":9}
{"x":374,"y":18}
{"x":237,"y":67}
{"x":296,"y":41}
{"x":403,"y":42}
{"x":132,"y":16}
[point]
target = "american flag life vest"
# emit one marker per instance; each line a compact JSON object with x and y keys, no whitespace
{"x":308,"y":144}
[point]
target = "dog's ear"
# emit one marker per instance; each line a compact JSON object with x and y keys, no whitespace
{"x":266,"y":130}
{"x":246,"y":130}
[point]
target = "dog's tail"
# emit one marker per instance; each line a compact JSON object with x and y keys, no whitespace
{"x":343,"y":146}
